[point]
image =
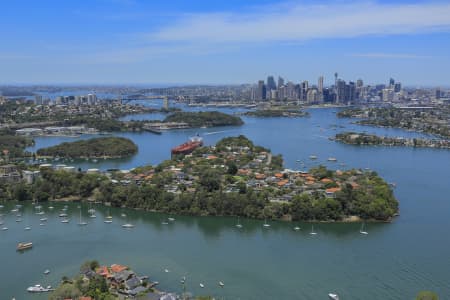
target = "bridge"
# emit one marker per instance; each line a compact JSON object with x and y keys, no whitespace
{"x":125,"y":100}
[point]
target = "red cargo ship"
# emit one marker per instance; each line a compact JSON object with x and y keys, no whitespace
{"x":189,"y":146}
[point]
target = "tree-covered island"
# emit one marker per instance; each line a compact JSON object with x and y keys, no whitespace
{"x":204,"y":118}
{"x":232,"y":178}
{"x":105,"y":147}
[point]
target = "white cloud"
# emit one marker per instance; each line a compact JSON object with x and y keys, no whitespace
{"x":296,"y":22}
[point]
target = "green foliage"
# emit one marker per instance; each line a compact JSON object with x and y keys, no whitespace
{"x":427,"y":295}
{"x":14,"y":144}
{"x":96,"y":147}
{"x":206,"y":118}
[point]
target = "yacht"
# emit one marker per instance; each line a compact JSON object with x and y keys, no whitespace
{"x":43,"y":219}
{"x":81,"y":223}
{"x":65,"y":220}
{"x":265,"y":223}
{"x":28,"y":228}
{"x":333,"y":296}
{"x":166,"y":270}
{"x":39,"y":289}
{"x":361,"y":230}
{"x":164,"y":223}
{"x":107,"y":221}
{"x":333,"y":159}
{"x":202,"y":285}
{"x":62,"y":215}
{"x":296,"y":228}
{"x":171,"y":219}
{"x":221,"y":283}
{"x":109,"y":217}
{"x":46,"y":272}
{"x":312,"y":231}
{"x":312,"y":157}
{"x":238,"y":225}
{"x":127,"y":225}
{"x":18,"y":220}
{"x":4,"y":228}
{"x":24,"y":246}
{"x":50,"y":207}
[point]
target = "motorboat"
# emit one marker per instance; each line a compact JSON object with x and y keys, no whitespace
{"x":24,"y":246}
{"x":296,"y":228}
{"x":39,"y":289}
{"x":46,"y":272}
{"x":333,"y":296}
{"x":202,"y":285}
{"x":127,"y":225}
{"x":221,"y":283}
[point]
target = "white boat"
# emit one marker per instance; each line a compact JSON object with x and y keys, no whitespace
{"x":221,"y":283}
{"x":107,"y":221}
{"x":109,"y":217}
{"x":4,"y":228}
{"x":171,"y":219}
{"x":362,"y":231}
{"x":28,"y":228}
{"x":65,"y":220}
{"x":81,"y":223}
{"x":312,"y":231}
{"x":312,"y":157}
{"x":123,"y":215}
{"x":333,"y":296}
{"x":296,"y":228}
{"x":14,"y":210}
{"x":202,"y":285}
{"x":39,"y":289}
{"x":43,"y":219}
{"x":92,"y":216}
{"x":239,"y":225}
{"x":62,"y":215}
{"x":164,"y":223}
{"x":46,"y":272}
{"x":265,"y":223}
{"x":166,"y":270}
{"x":127,"y":225}
{"x":18,"y":220}
{"x":332,"y":159}
{"x":50,"y":207}
{"x":41,"y":224}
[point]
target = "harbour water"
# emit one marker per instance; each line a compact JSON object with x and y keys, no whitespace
{"x":394,"y":261}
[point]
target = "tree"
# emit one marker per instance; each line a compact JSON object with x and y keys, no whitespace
{"x":427,"y":295}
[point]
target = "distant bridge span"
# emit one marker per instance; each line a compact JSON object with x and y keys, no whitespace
{"x":125,"y":100}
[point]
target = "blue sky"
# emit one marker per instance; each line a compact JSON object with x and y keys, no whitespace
{"x":233,"y":41}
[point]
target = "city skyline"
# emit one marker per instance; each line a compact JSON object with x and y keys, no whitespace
{"x":136,"y":42}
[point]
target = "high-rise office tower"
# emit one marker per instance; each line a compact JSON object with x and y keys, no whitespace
{"x":340,"y":91}
{"x":38,"y":99}
{"x":261,"y":91}
{"x":280,"y":82}
{"x":397,"y":87}
{"x":391,"y":82}
{"x":271,"y":85}
{"x":320,"y":85}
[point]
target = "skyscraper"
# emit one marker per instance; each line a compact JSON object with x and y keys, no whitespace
{"x":340,"y":91}
{"x":280,"y":82}
{"x":271,"y":83}
{"x":261,"y":90}
{"x":38,"y":99}
{"x":320,"y":85}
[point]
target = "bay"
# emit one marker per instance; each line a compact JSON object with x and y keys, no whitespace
{"x":394,"y":261}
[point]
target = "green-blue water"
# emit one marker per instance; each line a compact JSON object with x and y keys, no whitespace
{"x":394,"y":261}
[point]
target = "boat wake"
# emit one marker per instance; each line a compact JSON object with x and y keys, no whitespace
{"x":217,"y":132}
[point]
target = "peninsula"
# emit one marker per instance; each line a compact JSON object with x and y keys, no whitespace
{"x":108,"y":283}
{"x":232,"y":178}
{"x":354,"y":138}
{"x":265,"y":113}
{"x":432,"y":120}
{"x":106,"y":147}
